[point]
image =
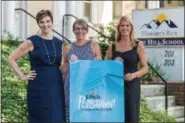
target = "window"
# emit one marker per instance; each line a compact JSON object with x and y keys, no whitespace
{"x":169,"y":1}
{"x":140,"y":4}
{"x":117,"y":9}
{"x":87,"y":10}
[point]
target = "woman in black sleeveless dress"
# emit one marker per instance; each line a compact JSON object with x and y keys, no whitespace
{"x":126,"y":48}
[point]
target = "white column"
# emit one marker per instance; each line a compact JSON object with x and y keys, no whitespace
{"x":183,"y":54}
{"x":153,"y":4}
{"x":23,"y":20}
{"x":94,"y":16}
{"x":59,"y":9}
{"x":107,"y":13}
{"x":80,"y":10}
{"x":9,"y":16}
{"x":94,"y":12}
{"x":1,"y":15}
{"x":70,"y":9}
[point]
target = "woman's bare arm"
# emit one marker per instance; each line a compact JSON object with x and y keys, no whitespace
{"x":65,"y":63}
{"x":143,"y":61}
{"x":97,"y":50}
{"x":22,"y":49}
{"x":109,"y":53}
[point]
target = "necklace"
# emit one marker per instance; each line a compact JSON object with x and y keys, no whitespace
{"x":54,"y":48}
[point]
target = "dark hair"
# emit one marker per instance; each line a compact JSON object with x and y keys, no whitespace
{"x":43,"y":13}
{"x":81,"y":22}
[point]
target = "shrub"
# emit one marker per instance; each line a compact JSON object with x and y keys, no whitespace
{"x":13,"y":107}
{"x":146,"y":115}
{"x":151,"y":75}
{"x":109,"y":32}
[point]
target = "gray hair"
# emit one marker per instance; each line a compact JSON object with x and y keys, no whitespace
{"x":81,"y":22}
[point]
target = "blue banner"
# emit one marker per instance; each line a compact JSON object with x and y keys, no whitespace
{"x":96,"y":91}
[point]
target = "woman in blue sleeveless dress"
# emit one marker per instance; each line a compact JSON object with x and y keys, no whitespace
{"x":126,"y":48}
{"x":45,"y":90}
{"x":81,"y":49}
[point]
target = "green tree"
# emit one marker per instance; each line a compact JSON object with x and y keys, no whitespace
{"x":109,"y":32}
{"x":13,"y":92}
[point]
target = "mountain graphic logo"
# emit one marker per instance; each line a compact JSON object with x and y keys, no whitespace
{"x":160,"y":20}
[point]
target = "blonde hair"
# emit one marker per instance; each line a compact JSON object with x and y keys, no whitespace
{"x":132,"y":34}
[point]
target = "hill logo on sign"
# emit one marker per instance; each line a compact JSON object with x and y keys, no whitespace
{"x":160,"y":26}
{"x":160,"y":20}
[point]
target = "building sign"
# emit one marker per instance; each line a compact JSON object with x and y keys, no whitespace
{"x":162,"y":32}
{"x":170,"y":60}
{"x":163,"y":26}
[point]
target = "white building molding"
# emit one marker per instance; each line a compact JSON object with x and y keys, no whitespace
{"x":107,"y":13}
{"x":59,"y":9}
{"x":153,"y":4}
{"x":94,"y":12}
{"x":9,"y":16}
{"x":23,"y":20}
{"x":70,"y":9}
{"x":1,"y":15}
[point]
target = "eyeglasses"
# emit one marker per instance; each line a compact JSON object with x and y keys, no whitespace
{"x":78,"y":29}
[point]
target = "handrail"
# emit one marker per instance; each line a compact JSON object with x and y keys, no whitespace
{"x":70,"y":15}
{"x":162,"y":78}
{"x":165,"y":83}
{"x":21,"y":9}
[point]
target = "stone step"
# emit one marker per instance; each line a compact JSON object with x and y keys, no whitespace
{"x":158,"y":102}
{"x":152,"y":90}
{"x":176,"y":111}
{"x":180,"y":120}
